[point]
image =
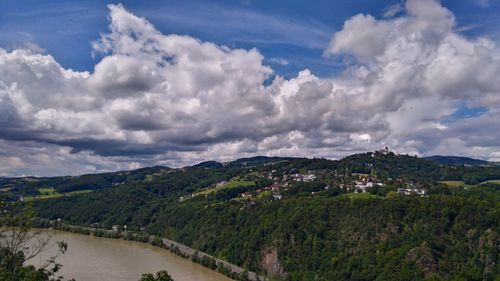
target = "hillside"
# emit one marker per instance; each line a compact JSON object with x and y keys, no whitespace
{"x":209,"y":165}
{"x":368,"y":216}
{"x":457,"y":160}
{"x":256,"y":161}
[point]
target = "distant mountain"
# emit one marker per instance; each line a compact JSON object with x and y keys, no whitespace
{"x":64,"y":184}
{"x":457,"y":160}
{"x":256,"y":161}
{"x":242,"y":162}
{"x":209,"y":165}
{"x":146,"y":170}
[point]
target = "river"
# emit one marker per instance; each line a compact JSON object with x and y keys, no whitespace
{"x":102,"y":259}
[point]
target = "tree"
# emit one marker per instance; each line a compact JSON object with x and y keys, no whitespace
{"x":161,"y":275}
{"x":18,"y":243}
{"x":243,"y":276}
{"x":391,"y":194}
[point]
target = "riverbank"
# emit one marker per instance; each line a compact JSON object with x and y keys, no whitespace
{"x":230,"y":270}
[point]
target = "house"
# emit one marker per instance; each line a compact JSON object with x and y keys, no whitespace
{"x":410,"y":191}
{"x":363,"y":185}
{"x":246,"y":195}
{"x":220,"y":184}
{"x":308,"y":178}
{"x":421,"y":192}
{"x":303,"y":178}
{"x":404,"y":191}
{"x":275,"y":186}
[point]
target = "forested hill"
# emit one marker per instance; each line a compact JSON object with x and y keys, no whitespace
{"x":389,"y":164}
{"x":243,"y":162}
{"x":457,"y":160}
{"x":371,"y":216}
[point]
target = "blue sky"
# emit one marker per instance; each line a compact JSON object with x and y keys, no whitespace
{"x":85,"y":86}
{"x":294,"y":33}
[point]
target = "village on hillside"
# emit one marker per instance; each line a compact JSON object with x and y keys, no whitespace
{"x":281,"y":183}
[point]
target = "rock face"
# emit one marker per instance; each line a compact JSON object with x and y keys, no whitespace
{"x":422,"y":255}
{"x":488,"y":249}
{"x":271,"y":264}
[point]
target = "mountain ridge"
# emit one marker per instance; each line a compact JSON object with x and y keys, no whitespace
{"x":456,"y":160}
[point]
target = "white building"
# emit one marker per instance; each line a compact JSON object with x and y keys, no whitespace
{"x":410,"y":191}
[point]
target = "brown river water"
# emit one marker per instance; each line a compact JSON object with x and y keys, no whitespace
{"x":102,"y":259}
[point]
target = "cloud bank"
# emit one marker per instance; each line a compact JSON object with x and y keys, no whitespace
{"x":175,"y":100}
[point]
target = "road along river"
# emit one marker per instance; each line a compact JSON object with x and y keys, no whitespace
{"x":96,"y":259}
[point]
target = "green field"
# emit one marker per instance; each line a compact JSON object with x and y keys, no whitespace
{"x":491,"y":181}
{"x":233,"y":184}
{"x":44,"y":193}
{"x":50,"y":193}
{"x":263,"y":194}
{"x":47,"y":191}
{"x":84,"y":191}
{"x":454,"y":183}
{"x":151,"y":177}
{"x":463,"y":184}
{"x":228,"y":185}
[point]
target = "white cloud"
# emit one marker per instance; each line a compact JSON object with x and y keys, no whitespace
{"x":175,"y":100}
{"x":362,"y":36}
{"x":418,"y":69}
{"x":279,"y":61}
{"x":393,"y":10}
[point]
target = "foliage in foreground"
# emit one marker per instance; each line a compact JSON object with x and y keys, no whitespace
{"x":18,"y":243}
{"x":160,"y":276}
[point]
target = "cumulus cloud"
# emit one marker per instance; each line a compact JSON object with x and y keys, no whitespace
{"x":175,"y":100}
{"x":415,"y":68}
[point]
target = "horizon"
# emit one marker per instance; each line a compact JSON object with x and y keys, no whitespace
{"x":98,"y":87}
{"x":234,"y":160}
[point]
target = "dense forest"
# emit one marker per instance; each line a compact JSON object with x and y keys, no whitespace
{"x":307,"y":219}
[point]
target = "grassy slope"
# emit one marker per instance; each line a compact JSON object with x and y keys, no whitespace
{"x":50,"y":193}
{"x":229,"y":185}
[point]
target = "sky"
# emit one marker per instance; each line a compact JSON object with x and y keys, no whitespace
{"x":94,"y":86}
